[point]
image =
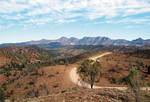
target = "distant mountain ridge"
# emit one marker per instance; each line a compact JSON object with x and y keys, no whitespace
{"x":84,"y":41}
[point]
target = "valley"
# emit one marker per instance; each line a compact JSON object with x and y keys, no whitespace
{"x":31,"y":73}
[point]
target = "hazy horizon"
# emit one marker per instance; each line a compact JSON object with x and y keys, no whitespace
{"x":68,"y":37}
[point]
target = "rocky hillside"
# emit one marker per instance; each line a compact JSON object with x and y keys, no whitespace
{"x":86,"y":95}
{"x":20,"y":55}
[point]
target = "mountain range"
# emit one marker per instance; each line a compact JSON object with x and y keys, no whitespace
{"x":84,"y":41}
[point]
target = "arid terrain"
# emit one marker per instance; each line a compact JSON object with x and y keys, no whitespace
{"x":27,"y":74}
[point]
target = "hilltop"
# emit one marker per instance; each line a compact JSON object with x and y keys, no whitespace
{"x":83,"y":41}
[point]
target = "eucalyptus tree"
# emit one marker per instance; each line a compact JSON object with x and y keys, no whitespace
{"x":89,"y":71}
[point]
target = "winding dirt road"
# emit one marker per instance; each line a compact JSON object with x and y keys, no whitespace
{"x":74,"y":77}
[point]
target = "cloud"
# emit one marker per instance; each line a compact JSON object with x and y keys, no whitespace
{"x":64,"y":11}
{"x":131,"y":21}
{"x":38,"y":21}
{"x":12,"y":6}
{"x":5,"y":26}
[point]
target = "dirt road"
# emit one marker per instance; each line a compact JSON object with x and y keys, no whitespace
{"x":74,"y":77}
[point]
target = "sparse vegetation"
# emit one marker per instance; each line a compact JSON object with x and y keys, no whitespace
{"x":25,"y":73}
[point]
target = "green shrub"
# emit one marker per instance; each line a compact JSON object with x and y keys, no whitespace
{"x":2,"y":96}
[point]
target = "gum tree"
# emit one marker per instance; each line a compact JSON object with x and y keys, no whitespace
{"x":89,"y":71}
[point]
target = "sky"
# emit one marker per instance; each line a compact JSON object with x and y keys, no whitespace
{"x":25,"y":20}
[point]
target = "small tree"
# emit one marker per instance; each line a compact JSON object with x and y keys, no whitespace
{"x":133,"y":81}
{"x":89,"y":70}
{"x":2,"y":97}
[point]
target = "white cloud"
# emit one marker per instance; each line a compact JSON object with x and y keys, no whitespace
{"x":131,"y":21}
{"x":5,"y":26}
{"x":38,"y":21}
{"x":71,"y":10}
{"x":12,"y":6}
